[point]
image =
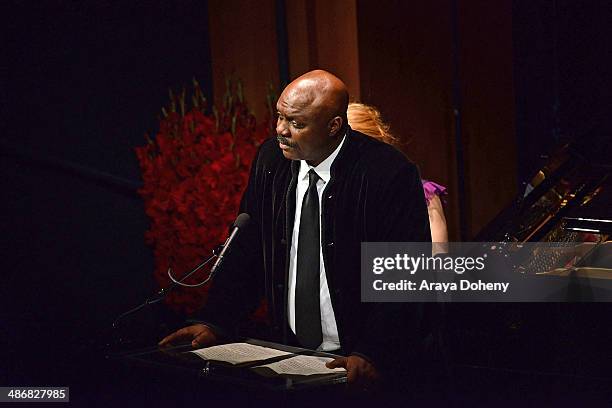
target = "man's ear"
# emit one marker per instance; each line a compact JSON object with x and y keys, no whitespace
{"x":335,"y":125}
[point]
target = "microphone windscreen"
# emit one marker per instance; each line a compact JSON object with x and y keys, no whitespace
{"x":242,"y":220}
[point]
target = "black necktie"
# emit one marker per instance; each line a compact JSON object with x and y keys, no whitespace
{"x":307,"y":303}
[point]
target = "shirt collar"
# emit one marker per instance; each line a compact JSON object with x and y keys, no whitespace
{"x":324,"y":168}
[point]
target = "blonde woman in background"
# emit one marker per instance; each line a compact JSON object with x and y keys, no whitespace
{"x":367,"y":120}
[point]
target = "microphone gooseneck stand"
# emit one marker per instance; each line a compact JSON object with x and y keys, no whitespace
{"x":219,"y":252}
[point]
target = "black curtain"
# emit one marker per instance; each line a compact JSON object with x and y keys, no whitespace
{"x":562,"y":76}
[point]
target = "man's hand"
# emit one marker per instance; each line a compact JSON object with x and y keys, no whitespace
{"x":199,"y":335}
{"x":360,"y":373}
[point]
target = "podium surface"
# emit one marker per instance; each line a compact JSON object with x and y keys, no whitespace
{"x":249,"y":375}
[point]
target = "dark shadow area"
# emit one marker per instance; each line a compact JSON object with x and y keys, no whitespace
{"x":83,"y":82}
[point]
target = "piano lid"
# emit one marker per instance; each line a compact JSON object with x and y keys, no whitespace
{"x":571,"y":193}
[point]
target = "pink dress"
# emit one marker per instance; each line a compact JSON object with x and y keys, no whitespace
{"x":430,"y":189}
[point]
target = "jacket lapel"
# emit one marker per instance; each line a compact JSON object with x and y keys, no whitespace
{"x":286,"y":213}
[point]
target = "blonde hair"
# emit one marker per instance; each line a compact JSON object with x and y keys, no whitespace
{"x":368,"y":120}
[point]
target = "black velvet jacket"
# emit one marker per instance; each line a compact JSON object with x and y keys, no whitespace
{"x":375,"y":194}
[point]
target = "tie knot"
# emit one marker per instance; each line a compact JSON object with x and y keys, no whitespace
{"x":313,"y":177}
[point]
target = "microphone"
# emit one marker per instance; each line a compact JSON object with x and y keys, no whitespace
{"x":241,"y":222}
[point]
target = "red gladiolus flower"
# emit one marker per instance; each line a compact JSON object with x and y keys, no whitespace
{"x":193,"y":174}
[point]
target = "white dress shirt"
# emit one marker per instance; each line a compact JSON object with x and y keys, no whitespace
{"x":331,"y":340}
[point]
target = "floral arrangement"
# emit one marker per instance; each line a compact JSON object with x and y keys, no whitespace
{"x":194,"y":171}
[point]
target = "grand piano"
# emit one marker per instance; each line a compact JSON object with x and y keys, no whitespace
{"x":567,"y":202}
{"x":547,"y":348}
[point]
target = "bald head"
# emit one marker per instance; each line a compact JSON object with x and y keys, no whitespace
{"x":322,"y":90}
{"x":312,"y":116}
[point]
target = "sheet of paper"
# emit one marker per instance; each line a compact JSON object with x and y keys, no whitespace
{"x":238,"y":353}
{"x":303,"y":365}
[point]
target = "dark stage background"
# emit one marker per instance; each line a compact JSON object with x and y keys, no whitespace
{"x":503,"y":82}
{"x":84,"y":82}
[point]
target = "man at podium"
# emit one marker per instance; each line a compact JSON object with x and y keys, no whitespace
{"x":315,"y":192}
